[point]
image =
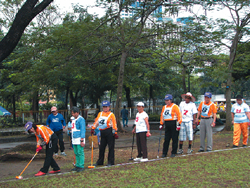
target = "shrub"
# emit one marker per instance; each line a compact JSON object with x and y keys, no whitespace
{"x":154,"y":117}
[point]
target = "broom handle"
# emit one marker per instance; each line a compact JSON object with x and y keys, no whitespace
{"x":92,"y":152}
{"x":28,"y":163}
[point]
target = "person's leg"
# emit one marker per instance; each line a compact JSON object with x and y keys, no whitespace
{"x":80,"y":151}
{"x":138,"y":144}
{"x":53,"y":163}
{"x":182,"y":137}
{"x":175,"y":135}
{"x":190,"y":132}
{"x":56,"y":147}
{"x":49,"y":161}
{"x":143,"y":140}
{"x":111,"y":145}
{"x":202,"y":135}
{"x":61,"y":142}
{"x":167,"y":138}
{"x":126,"y":121}
{"x":209,"y":130}
{"x":123,"y":122}
{"x":244,"y":129}
{"x":102,"y":148}
{"x":237,"y":133}
{"x":76,"y":155}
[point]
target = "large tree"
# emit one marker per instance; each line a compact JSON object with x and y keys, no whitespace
{"x":29,"y":10}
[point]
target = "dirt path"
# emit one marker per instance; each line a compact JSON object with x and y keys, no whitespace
{"x":10,"y":169}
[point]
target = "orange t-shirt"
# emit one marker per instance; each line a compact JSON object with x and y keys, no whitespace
{"x":111,"y":121}
{"x":43,"y":134}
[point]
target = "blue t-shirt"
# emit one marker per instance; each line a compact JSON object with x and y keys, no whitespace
{"x":56,"y":123}
{"x":124,"y":113}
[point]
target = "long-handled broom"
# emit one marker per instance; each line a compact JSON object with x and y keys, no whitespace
{"x":21,"y":177}
{"x":92,"y":154}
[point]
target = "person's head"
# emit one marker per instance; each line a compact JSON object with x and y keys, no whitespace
{"x":105,"y":106}
{"x":71,"y":118}
{"x":30,"y":127}
{"x":188,"y":97}
{"x":54,"y":110}
{"x":124,"y":107}
{"x":239,"y":99}
{"x":168,"y":99}
{"x":140,"y":107}
{"x":207,"y":97}
{"x":75,"y":111}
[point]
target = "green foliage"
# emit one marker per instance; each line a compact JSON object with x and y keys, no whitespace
{"x":154,"y":117}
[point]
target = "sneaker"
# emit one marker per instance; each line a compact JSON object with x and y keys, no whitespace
{"x":80,"y":169}
{"x":63,"y":153}
{"x":144,"y":160}
{"x":108,"y":165}
{"x":74,"y":169}
{"x":40,"y":173}
{"x":138,"y":159}
{"x":244,"y":146}
{"x":180,"y":151}
{"x":172,"y":155}
{"x":163,"y":156}
{"x":208,"y":150}
{"x":189,"y":151}
{"x":54,"y":171}
{"x":234,"y":146}
{"x":201,"y":150}
{"x":74,"y":164}
{"x":56,"y":154}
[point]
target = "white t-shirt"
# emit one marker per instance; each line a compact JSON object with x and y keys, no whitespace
{"x":187,"y":111}
{"x":240,"y":112}
{"x":140,"y":123}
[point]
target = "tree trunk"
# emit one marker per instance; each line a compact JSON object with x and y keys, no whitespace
{"x":28,"y":11}
{"x":35,"y":106}
{"x":119,"y":91}
{"x":129,"y":101}
{"x":184,"y":79}
{"x":66,"y":98}
{"x":14,"y":108}
{"x":228,"y":103}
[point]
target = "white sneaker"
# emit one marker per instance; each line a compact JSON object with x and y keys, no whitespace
{"x":56,"y":154}
{"x":63,"y":153}
{"x":144,"y":160}
{"x":138,"y":159}
{"x":189,"y":151}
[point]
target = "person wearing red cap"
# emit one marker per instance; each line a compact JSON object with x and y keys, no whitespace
{"x":57,"y":123}
{"x":44,"y":136}
{"x":171,"y":118}
{"x":207,"y":110}
{"x":106,"y":123}
{"x":142,"y":131}
{"x":188,"y":112}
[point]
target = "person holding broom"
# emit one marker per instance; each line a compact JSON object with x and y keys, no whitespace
{"x":45,"y":137}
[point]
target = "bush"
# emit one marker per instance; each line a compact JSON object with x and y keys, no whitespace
{"x":222,"y":115}
{"x":154,"y":117}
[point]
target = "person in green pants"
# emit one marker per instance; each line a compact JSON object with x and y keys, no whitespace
{"x":78,"y":138}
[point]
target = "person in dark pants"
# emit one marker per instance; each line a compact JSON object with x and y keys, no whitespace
{"x":45,"y":136}
{"x":124,"y":114}
{"x":171,"y":117}
{"x":142,"y":130}
{"x":106,"y":123}
{"x":57,"y":123}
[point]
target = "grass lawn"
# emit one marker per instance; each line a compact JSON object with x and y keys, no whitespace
{"x":229,"y":168}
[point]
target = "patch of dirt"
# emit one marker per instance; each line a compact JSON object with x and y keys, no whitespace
{"x":15,"y":160}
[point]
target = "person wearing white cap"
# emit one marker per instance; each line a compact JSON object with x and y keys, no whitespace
{"x":188,"y":112}
{"x":142,"y":130}
{"x":57,"y":123}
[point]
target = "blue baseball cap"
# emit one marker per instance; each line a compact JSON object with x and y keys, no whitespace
{"x":208,"y":94}
{"x":168,"y":97}
{"x":105,"y":103}
{"x":28,"y":125}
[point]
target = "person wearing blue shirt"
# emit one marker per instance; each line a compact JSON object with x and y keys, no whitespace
{"x":57,"y":123}
{"x":124,"y":114}
{"x":78,"y":138}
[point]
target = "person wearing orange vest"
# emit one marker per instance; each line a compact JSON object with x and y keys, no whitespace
{"x":45,"y":136}
{"x":207,"y":110}
{"x":106,"y":123}
{"x":171,"y":118}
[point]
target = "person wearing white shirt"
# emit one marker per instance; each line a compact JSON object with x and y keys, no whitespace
{"x":142,"y":131}
{"x":188,"y":112}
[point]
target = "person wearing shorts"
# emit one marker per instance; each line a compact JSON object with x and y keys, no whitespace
{"x":188,"y":112}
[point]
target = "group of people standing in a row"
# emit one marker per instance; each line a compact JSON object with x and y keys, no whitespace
{"x":179,"y":121}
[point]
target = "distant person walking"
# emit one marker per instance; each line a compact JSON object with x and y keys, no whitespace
{"x":124,"y":114}
{"x":171,"y":118}
{"x":57,"y":123}
{"x":188,"y":112}
{"x":240,"y":118}
{"x":207,"y":110}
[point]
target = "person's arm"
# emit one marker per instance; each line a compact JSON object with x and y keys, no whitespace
{"x":113,"y":122}
{"x":63,"y":122}
{"x":178,"y":113}
{"x":214,"y":115}
{"x":232,"y":114}
{"x":148,"y":127}
{"x":161,"y":119}
{"x":96,"y":123}
{"x":83,"y":131}
{"x":194,"y":122}
{"x":48,"y":121}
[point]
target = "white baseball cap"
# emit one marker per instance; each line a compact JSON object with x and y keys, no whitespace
{"x":140,"y":104}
